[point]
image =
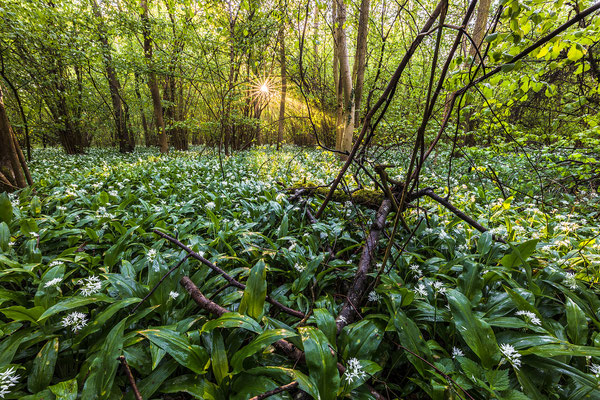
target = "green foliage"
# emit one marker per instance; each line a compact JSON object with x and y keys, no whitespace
{"x":456,"y":310}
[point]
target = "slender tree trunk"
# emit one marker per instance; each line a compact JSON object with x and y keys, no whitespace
{"x":283,"y":84}
{"x":124,"y":136}
{"x":361,"y":56}
{"x":483,"y":12}
{"x":345,"y":80}
{"x":147,"y":139}
{"x":152,"y":83}
{"x":14,"y":173}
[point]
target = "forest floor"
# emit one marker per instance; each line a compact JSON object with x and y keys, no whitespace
{"x":93,"y":215}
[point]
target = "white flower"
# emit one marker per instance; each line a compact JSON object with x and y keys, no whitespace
{"x":54,"y":263}
{"x":8,"y":379}
{"x":510,"y":354}
{"x":570,"y":280}
{"x":416,"y":269}
{"x":595,"y":369}
{"x":151,"y":255}
{"x":90,"y":285}
{"x":76,"y":321}
{"x":421,"y":290}
{"x":444,"y":235}
{"x":210,"y":205}
{"x":173,"y":294}
{"x":342,"y":319}
{"x":113,"y":193}
{"x":373,"y":296}
{"x":53,"y":282}
{"x":439,"y":287}
{"x":299,"y":267}
{"x":354,"y":371}
{"x":456,"y":352}
{"x":529,"y":316}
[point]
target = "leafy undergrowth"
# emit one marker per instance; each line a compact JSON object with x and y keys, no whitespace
{"x":454,"y":312}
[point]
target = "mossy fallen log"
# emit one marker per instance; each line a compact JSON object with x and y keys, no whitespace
{"x":365,"y":197}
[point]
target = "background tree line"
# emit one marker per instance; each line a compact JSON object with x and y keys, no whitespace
{"x":237,"y":73}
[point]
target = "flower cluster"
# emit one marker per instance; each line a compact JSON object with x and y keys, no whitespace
{"x":8,"y":379}
{"x":76,"y":321}
{"x":173,"y":294}
{"x":354,"y":371}
{"x":151,"y":255}
{"x":456,"y":352}
{"x":570,"y":280}
{"x":53,"y":282}
{"x":530,"y":317}
{"x":90,"y":286}
{"x":373,"y":296}
{"x":511,"y":355}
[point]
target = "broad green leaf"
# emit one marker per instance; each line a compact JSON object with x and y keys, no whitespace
{"x":43,"y":367}
{"x":232,"y":320}
{"x":305,"y":383}
{"x":574,"y":54}
{"x":321,"y":361}
{"x":20,"y":313}
{"x":218,"y":357}
{"x":104,"y":366}
{"x":75,"y":302}
{"x":577,"y":327}
{"x":411,"y":338}
{"x":6,"y":209}
{"x":66,"y":390}
{"x":253,"y":302}
{"x":326,"y":324}
{"x":193,"y":385}
{"x":263,"y":340}
{"x":478,"y":335}
{"x":4,"y":236}
{"x":519,"y":254}
{"x":179,"y":347}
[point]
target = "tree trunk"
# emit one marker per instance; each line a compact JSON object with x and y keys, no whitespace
{"x":14,"y":173}
{"x":126,"y":141}
{"x":152,"y":83}
{"x":283,"y":84}
{"x":147,"y":137}
{"x":483,"y":12}
{"x":361,"y":56}
{"x":345,"y":80}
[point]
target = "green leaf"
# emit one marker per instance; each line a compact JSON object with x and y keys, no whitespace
{"x":574,"y":53}
{"x":321,"y":362}
{"x":519,"y":254}
{"x":4,"y":236}
{"x":253,"y":302}
{"x":478,"y":334}
{"x":6,"y":209}
{"x":498,"y":379}
{"x":74,"y":302}
{"x":263,"y":340}
{"x":66,"y":390}
{"x":232,"y":320}
{"x":43,"y":367}
{"x":104,"y":366}
{"x":218,"y":357}
{"x":305,"y":383}
{"x":179,"y":347}
{"x":193,"y":385}
{"x":577,"y":327}
{"x":411,"y":338}
{"x":20,"y":313}
{"x":326,"y":324}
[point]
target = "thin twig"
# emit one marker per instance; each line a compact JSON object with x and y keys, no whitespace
{"x":280,"y":389}
{"x":232,"y":281}
{"x":136,"y":392}
{"x":158,"y":284}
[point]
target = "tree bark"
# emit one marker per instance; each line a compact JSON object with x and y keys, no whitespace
{"x":283,"y":84}
{"x":124,"y":136}
{"x":361,"y":56}
{"x":147,"y":139}
{"x":14,"y":173}
{"x":345,"y":80}
{"x":152,"y":83}
{"x":483,"y":12}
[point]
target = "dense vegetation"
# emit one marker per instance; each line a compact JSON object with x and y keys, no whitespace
{"x":299,"y":199}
